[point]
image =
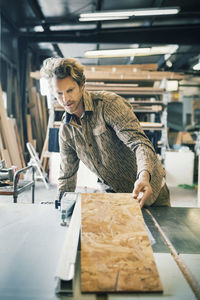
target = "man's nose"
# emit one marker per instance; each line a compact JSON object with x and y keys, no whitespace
{"x":65,"y":97}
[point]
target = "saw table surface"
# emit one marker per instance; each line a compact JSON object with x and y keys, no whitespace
{"x":32,"y":239}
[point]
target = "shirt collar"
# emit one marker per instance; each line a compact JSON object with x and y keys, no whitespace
{"x":87,"y":105}
{"x":87,"y":100}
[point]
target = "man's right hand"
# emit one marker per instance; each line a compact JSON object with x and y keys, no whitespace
{"x":142,"y":188}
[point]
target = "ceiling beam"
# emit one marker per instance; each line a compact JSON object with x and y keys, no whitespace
{"x":158,"y":4}
{"x":36,"y":9}
{"x":73,"y":19}
{"x":39,"y":14}
{"x":179,"y":34}
{"x":183,"y":59}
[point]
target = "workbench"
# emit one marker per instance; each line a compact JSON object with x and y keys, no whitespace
{"x":32,"y":239}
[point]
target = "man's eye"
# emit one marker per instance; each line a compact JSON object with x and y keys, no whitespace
{"x":60,"y":93}
{"x":69,"y":91}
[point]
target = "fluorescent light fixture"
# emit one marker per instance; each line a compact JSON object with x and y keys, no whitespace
{"x":167,"y":56}
{"x":113,"y":53}
{"x":131,"y":52}
{"x":112,"y":15}
{"x":169,"y":63}
{"x":102,"y":19}
{"x":38,"y":28}
{"x":197,"y":66}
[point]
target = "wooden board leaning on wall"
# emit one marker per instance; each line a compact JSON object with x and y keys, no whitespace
{"x":10,"y":144}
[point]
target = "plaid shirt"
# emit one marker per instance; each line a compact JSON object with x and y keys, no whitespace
{"x":110,"y":142}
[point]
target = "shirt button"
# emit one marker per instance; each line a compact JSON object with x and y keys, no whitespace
{"x":90,"y":145}
{"x":98,"y":162}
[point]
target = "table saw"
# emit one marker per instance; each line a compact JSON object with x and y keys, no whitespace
{"x":32,"y":241}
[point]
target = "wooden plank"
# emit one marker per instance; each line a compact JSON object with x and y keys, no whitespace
{"x":4,"y":153}
{"x":135,"y":67}
{"x":16,"y":160}
{"x":151,"y":125}
{"x":19,"y":143}
{"x":152,"y":67}
{"x":6,"y":157}
{"x":44,"y":113}
{"x":29,"y":128}
{"x":116,"y":255}
{"x":9,"y":135}
{"x":40,"y":115}
{"x":138,"y":72}
{"x":130,"y":76}
{"x":18,"y":112}
{"x":124,"y":90}
{"x":35,"y":118}
{"x":44,"y":149}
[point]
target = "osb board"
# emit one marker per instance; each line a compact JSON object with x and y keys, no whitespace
{"x":116,"y":255}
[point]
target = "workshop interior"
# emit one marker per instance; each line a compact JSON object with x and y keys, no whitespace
{"x":93,"y":244}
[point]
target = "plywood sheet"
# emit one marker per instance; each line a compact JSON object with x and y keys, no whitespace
{"x":116,"y":255}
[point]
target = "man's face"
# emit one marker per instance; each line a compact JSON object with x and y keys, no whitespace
{"x":69,"y":95}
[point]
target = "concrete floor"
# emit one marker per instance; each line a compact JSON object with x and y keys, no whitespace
{"x":183,"y":197}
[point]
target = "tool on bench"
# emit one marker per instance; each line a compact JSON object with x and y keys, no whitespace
{"x":6,"y":175}
{"x":66,"y":205}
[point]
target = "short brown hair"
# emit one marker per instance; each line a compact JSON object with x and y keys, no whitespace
{"x":63,"y":67}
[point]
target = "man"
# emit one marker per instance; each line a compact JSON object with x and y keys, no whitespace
{"x":101,"y":129}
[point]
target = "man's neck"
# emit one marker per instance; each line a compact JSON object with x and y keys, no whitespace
{"x":78,"y":114}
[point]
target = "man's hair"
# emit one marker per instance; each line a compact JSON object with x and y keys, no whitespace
{"x":61,"y":68}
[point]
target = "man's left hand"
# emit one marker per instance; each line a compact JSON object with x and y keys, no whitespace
{"x":142,"y":188}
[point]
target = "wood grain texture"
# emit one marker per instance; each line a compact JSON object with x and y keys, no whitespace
{"x":116,"y":255}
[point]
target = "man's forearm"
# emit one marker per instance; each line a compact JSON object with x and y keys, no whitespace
{"x":144,"y":175}
{"x":145,"y":159}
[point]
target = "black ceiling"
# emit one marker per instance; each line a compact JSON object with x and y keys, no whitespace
{"x":61,"y":33}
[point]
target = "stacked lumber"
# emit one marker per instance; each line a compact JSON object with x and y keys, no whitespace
{"x":114,"y":68}
{"x":123,"y":89}
{"x":36,"y":119}
{"x":10,"y":143}
{"x":127,"y":73}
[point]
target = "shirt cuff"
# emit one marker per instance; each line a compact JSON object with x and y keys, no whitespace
{"x":141,"y":172}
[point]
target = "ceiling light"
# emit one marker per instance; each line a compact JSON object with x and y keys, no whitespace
{"x":102,"y":18}
{"x":167,"y":56}
{"x":112,"y":15}
{"x":38,"y":28}
{"x":197,"y":66}
{"x":131,"y":52}
{"x":169,"y":63}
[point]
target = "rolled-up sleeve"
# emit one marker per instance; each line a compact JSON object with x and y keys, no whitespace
{"x":120,"y":116}
{"x":69,"y":163}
